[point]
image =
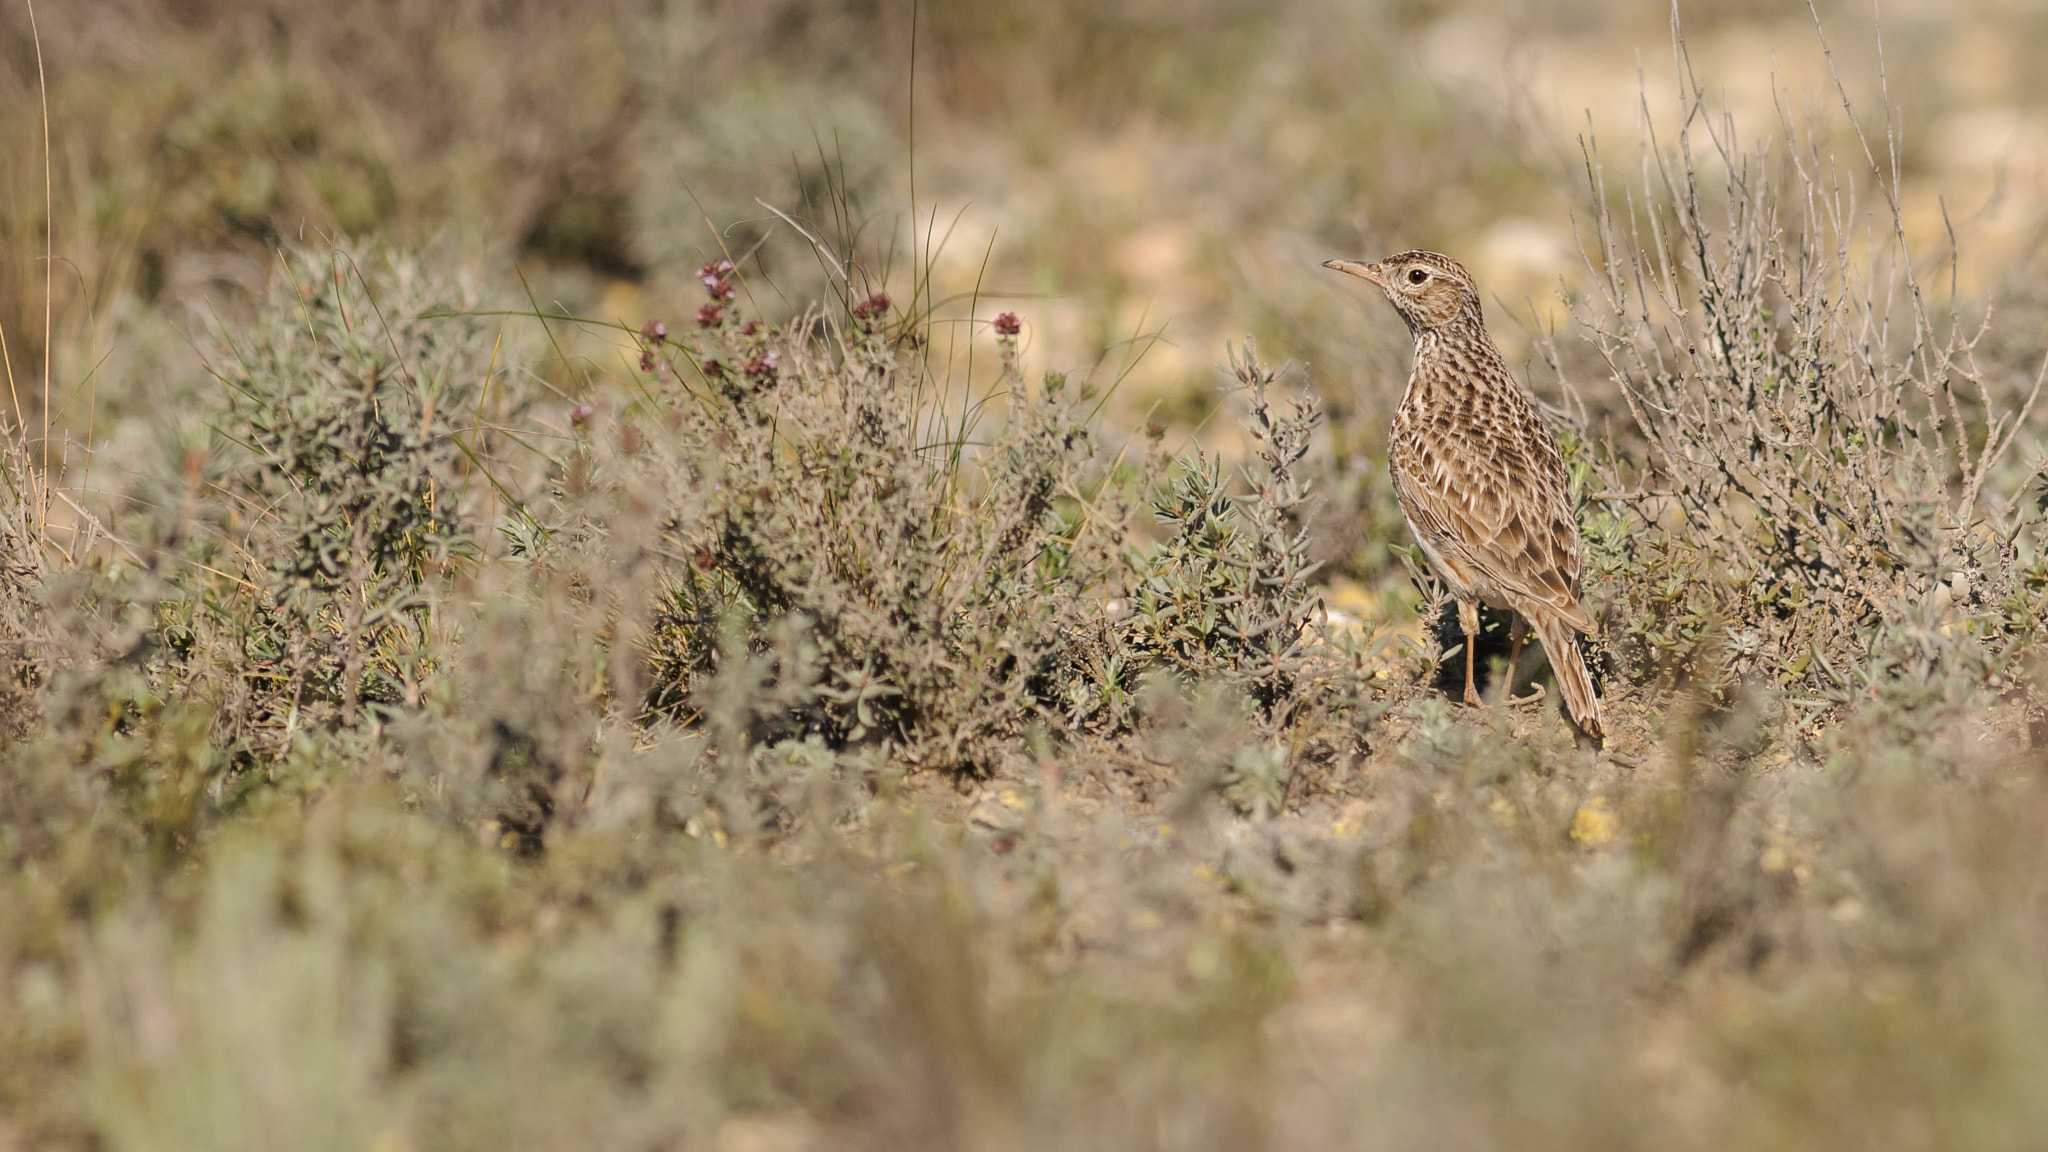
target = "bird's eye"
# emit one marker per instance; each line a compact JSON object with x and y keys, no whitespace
{"x":1417,"y":276}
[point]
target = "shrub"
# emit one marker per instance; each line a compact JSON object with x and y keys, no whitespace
{"x":911,"y":569}
{"x":1228,"y":595}
{"x":23,"y":645}
{"x":1812,"y":443}
{"x":344,"y":402}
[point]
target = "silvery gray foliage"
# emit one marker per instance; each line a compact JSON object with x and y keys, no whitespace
{"x":1229,"y":595}
{"x":1811,"y":447}
{"x":911,"y":573}
{"x":344,"y":402}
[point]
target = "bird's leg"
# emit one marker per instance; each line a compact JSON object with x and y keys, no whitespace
{"x":1468,"y":619}
{"x":1518,"y":634}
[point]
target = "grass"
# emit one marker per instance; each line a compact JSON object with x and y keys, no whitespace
{"x":592,"y":705}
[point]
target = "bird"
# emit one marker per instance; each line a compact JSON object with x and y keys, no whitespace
{"x":1479,"y":478}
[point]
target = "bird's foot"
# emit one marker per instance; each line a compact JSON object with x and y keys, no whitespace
{"x":1472,"y":698}
{"x":1535,"y":696}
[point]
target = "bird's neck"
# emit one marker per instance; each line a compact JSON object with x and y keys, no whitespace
{"x":1450,"y":354}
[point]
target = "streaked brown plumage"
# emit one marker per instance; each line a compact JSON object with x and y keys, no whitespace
{"x":1480,"y":479}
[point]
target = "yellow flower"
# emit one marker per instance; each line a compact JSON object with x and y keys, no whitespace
{"x":1593,"y":825}
{"x":1782,"y":854}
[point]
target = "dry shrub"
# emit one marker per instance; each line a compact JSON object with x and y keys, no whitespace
{"x":23,"y":643}
{"x":348,"y":427}
{"x":1814,"y":444}
{"x":933,"y":581}
{"x":1228,"y":595}
{"x":911,"y":566}
{"x":618,"y":853}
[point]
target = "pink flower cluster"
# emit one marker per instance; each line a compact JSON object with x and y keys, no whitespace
{"x":713,"y":277}
{"x":653,"y":332}
{"x":1007,"y":324}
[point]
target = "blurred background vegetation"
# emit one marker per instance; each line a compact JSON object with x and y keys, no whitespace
{"x":1141,"y":181}
{"x":504,"y":909}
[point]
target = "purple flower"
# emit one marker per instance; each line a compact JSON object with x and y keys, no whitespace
{"x":1007,"y":324}
{"x":713,"y":277}
{"x":709,"y":316}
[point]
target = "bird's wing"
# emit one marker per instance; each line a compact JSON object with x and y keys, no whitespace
{"x":1494,"y":501}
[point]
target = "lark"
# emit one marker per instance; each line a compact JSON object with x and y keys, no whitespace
{"x":1480,"y":480}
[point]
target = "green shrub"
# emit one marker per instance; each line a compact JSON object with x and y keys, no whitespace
{"x":1228,"y":595}
{"x":348,"y":401}
{"x":908,"y":568}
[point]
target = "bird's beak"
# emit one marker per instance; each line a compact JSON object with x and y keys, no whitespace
{"x":1358,"y":268}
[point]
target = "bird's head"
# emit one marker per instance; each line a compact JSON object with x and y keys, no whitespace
{"x":1428,"y":289}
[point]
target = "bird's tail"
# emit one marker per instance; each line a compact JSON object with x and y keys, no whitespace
{"x":1561,"y":644}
